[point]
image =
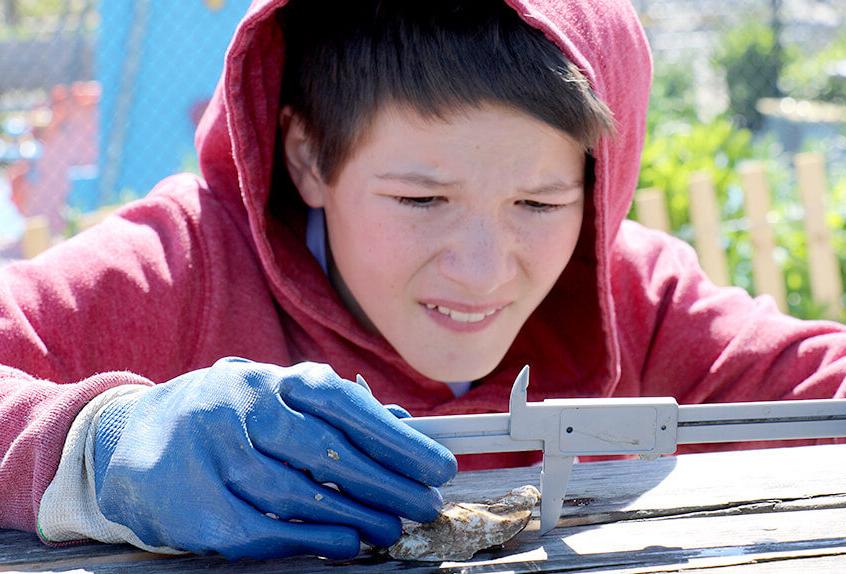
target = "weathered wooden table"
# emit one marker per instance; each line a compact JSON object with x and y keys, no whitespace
{"x":752,"y":512}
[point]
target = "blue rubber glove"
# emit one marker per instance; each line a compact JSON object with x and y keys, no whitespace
{"x":398,"y":411}
{"x":199,"y":462}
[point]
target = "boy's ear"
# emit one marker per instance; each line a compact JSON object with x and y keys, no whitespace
{"x":300,"y":158}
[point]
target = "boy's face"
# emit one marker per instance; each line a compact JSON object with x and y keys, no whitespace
{"x":446,"y":235}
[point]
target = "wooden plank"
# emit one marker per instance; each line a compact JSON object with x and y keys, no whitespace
{"x":19,"y":548}
{"x":36,"y":236}
{"x":674,"y":545}
{"x":705,"y":216}
{"x":652,"y":209}
{"x":710,"y":536}
{"x":607,"y":491}
{"x":766,"y":273}
{"x":774,"y":563}
{"x":629,"y":546}
{"x":828,"y":565}
{"x":694,"y":511}
{"x":826,"y":284}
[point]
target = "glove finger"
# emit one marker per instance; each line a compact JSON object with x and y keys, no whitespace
{"x":290,"y":494}
{"x":258,"y":536}
{"x":398,"y":411}
{"x":325,"y":452}
{"x":317,"y":390}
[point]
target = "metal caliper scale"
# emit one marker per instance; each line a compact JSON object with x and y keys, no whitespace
{"x":649,"y":427}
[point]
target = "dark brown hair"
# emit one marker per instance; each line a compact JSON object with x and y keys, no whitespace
{"x":347,"y":58}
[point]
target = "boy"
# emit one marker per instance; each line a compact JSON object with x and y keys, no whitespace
{"x":429,"y":194}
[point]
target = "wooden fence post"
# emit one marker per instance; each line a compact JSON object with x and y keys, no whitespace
{"x":766,"y":273}
{"x":705,"y":216}
{"x":36,"y":236}
{"x":826,"y":284}
{"x":652,"y":209}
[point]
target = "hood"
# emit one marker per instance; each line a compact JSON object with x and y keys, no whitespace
{"x":237,"y":136}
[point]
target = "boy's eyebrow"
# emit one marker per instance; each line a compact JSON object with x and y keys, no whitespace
{"x":432,"y":182}
{"x":556,"y":186}
{"x":417,"y":179}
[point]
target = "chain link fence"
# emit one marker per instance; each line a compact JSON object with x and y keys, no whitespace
{"x":99,"y":100}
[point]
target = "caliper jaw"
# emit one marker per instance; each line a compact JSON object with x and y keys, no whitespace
{"x":572,"y":427}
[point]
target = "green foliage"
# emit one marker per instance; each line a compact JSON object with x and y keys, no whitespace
{"x":670,"y":157}
{"x":717,"y":148}
{"x":672,"y":98}
{"x":679,"y":144}
{"x":40,"y":9}
{"x":25,"y":19}
{"x":812,"y":77}
{"x":752,"y":60}
{"x":836,"y":221}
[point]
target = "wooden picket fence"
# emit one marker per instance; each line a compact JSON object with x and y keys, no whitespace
{"x":825,"y":280}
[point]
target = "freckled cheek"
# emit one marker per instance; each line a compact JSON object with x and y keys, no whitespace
{"x":389,"y":251}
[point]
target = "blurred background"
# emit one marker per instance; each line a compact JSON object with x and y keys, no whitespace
{"x":99,"y":101}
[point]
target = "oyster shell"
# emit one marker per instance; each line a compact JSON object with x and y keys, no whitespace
{"x":462,"y":529}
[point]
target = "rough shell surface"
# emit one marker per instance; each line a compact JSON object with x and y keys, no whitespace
{"x":462,"y":529}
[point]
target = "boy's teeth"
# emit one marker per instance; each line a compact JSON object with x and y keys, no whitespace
{"x":459,"y":316}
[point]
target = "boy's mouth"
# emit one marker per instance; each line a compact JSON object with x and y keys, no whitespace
{"x":463,"y":318}
{"x":460,"y":316}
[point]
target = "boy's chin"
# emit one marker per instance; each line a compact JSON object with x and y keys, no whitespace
{"x":457,"y":372}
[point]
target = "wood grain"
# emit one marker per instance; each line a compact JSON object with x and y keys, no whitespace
{"x":748,"y":512}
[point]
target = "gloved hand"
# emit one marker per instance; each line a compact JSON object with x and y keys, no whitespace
{"x":198,"y":463}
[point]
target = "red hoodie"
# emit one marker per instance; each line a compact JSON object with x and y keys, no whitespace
{"x":199,"y":270}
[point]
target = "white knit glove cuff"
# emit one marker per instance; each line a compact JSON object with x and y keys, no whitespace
{"x":69,"y":509}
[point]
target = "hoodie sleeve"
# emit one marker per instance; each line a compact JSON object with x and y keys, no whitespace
{"x":682,"y":336}
{"x":91,"y":314}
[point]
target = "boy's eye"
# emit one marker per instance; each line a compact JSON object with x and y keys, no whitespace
{"x":540,"y":207}
{"x":429,"y":201}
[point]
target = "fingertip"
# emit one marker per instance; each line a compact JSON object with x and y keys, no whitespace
{"x":232,"y":359}
{"x":385,"y":533}
{"x":432,"y":464}
{"x":335,"y":542}
{"x":442,"y":467}
{"x":428,"y":507}
{"x":398,"y":411}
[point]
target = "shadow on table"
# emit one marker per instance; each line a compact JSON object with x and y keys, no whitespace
{"x":598,"y":493}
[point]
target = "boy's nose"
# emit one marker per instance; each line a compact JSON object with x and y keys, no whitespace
{"x":480,"y":258}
